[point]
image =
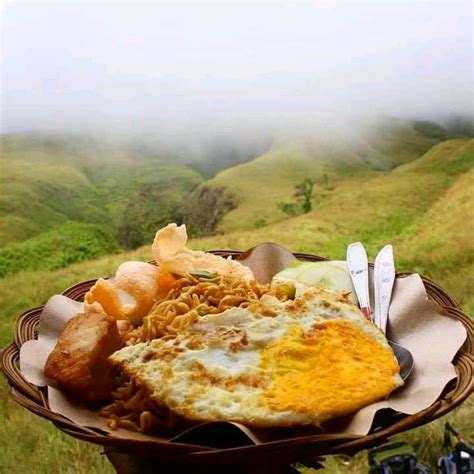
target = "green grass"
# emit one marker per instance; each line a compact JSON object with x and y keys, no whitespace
{"x":424,"y":209}
{"x":32,"y":445}
{"x":59,"y":247}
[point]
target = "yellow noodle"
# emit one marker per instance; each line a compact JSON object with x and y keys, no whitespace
{"x":193,"y":298}
{"x":132,"y":407}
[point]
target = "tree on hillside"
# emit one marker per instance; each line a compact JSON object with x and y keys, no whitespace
{"x":304,"y":195}
{"x":205,"y":208}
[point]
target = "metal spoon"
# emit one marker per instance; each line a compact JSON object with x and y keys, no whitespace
{"x":404,"y":358}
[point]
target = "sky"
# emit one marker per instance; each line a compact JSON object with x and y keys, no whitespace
{"x":131,"y":65}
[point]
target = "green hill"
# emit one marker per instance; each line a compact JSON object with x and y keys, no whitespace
{"x":48,"y":182}
{"x":443,"y":240}
{"x":425,"y":214}
{"x":451,"y":157}
{"x":331,"y":159}
{"x":39,"y":193}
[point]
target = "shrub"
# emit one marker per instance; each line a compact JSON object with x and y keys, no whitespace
{"x":260,"y":222}
{"x":304,"y":195}
{"x":291,"y":209}
{"x":63,"y":245}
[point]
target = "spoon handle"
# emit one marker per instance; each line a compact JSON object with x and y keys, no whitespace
{"x":359,"y":269}
{"x":384,"y":277}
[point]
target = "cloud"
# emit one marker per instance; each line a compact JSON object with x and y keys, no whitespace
{"x":145,"y":66}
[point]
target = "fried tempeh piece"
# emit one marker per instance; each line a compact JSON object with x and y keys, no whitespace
{"x":78,"y":363}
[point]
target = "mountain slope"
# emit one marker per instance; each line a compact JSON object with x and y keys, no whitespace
{"x":451,"y":157}
{"x":443,"y":240}
{"x":35,"y":198}
{"x":332,"y":159}
{"x":46,"y":182}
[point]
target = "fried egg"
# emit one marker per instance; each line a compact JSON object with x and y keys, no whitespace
{"x":272,"y":364}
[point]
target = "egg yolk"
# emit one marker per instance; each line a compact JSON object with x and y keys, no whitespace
{"x":333,"y":370}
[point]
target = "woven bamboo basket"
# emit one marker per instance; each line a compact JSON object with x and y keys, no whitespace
{"x":264,"y":457}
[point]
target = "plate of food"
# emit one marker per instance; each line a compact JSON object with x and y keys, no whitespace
{"x":218,"y":354}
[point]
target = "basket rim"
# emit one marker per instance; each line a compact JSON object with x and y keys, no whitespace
{"x":35,"y":400}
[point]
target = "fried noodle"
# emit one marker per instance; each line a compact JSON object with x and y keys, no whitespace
{"x":193,"y":296}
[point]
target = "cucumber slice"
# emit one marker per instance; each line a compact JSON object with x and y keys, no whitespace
{"x":330,"y":275}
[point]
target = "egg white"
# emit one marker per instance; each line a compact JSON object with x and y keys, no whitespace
{"x":213,"y":369}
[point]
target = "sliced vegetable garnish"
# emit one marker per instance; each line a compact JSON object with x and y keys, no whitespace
{"x":330,"y":275}
{"x":203,"y":274}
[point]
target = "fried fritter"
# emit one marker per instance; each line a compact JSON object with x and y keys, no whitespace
{"x":78,"y":363}
{"x":137,"y":280}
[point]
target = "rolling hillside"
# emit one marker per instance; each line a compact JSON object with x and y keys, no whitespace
{"x":49,"y":184}
{"x":331,"y":160}
{"x":124,"y":186}
{"x":423,"y":208}
{"x":39,"y":195}
{"x":443,"y":240}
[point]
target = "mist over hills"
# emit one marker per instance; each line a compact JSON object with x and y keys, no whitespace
{"x":113,"y":197}
{"x":327,"y":156}
{"x":114,"y":191}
